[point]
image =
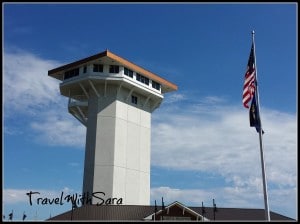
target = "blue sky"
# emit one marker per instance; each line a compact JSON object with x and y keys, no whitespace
{"x":202,"y":146}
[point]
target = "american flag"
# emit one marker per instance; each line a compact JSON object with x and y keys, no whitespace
{"x":249,"y":84}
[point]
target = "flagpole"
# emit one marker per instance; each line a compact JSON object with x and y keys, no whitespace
{"x":267,"y":211}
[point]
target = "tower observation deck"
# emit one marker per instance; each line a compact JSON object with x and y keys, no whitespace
{"x":114,"y":99}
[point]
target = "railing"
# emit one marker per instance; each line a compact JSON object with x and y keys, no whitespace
{"x":78,"y":100}
{"x":77,"y":107}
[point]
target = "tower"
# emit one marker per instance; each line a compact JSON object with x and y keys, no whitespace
{"x":114,"y":99}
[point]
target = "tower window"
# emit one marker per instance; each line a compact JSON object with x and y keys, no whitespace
{"x":71,"y":73}
{"x":113,"y":69}
{"x":98,"y":68}
{"x":134,"y":99}
{"x":155,"y":85}
{"x":142,"y":79}
{"x":128,"y":72}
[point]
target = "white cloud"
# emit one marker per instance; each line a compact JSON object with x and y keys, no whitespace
{"x":62,"y":131}
{"x":73,"y":164}
{"x":213,"y":136}
{"x":282,"y":201}
{"x":12,"y":131}
{"x":223,"y":141}
{"x":30,"y":92}
{"x":15,"y":196}
{"x":175,"y":97}
{"x":230,"y":197}
{"x":26,"y":82}
{"x":18,"y":201}
{"x":189,"y":197}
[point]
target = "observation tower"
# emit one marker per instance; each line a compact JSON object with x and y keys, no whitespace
{"x":114,"y":99}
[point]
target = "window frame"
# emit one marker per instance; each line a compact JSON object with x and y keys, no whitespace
{"x":114,"y":69}
{"x":134,"y":99}
{"x":98,"y":67}
{"x":128,"y":72}
{"x":156,"y":85}
{"x":142,"y":79}
{"x":71,"y":73}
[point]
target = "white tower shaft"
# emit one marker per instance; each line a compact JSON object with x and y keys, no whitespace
{"x":117,"y":159}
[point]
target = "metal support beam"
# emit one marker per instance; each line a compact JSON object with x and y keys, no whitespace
{"x":94,"y":88}
{"x":129,"y":94}
{"x":105,"y":88}
{"x":119,"y":89}
{"x":148,"y":98}
{"x":81,"y":113}
{"x":83,"y":89}
{"x":75,"y":114}
{"x":155,"y":105}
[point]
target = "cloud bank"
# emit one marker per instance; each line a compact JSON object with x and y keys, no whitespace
{"x":207,"y":134}
{"x":213,"y":136}
{"x":30,"y":93}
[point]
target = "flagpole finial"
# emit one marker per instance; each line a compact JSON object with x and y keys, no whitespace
{"x":253,"y":32}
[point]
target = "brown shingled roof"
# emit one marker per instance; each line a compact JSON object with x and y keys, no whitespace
{"x":107,"y":212}
{"x":139,"y":213}
{"x":236,"y":214}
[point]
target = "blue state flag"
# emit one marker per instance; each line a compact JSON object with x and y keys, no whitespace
{"x":254,"y":114}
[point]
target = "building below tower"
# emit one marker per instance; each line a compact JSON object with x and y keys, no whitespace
{"x":176,"y":211}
